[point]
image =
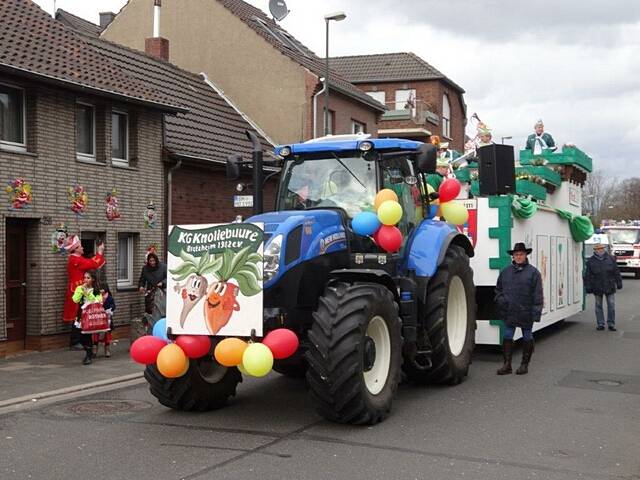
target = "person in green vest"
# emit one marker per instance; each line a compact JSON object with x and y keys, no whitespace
{"x":540,"y":141}
{"x":435,"y":179}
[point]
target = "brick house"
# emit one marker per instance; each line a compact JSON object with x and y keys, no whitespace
{"x":421,"y":100}
{"x":263,"y":69}
{"x":75,"y":110}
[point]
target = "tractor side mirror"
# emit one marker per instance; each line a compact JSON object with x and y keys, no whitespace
{"x":233,"y":166}
{"x":426,"y":159}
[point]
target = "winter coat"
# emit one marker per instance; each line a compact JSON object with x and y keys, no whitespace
{"x":519,"y":296}
{"x":602,"y":277}
{"x":150,"y":277}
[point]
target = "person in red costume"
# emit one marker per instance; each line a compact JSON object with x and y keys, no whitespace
{"x":77,"y":265}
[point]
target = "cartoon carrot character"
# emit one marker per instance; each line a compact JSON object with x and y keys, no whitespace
{"x":193,"y":270}
{"x":222,"y":295}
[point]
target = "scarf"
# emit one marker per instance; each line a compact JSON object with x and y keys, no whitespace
{"x":539,"y":145}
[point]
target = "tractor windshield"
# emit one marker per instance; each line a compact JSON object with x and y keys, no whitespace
{"x":346,"y":182}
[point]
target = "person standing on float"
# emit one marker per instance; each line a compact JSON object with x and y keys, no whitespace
{"x":77,"y":265}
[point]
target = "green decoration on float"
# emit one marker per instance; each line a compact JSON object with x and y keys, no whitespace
{"x":580,"y":226}
{"x":523,"y":207}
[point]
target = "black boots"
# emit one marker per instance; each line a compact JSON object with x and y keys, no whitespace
{"x":527,"y":351}
{"x":87,"y":356}
{"x":507,"y":353}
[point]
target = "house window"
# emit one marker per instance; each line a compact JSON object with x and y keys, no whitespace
{"x":125,"y":260}
{"x":120,"y":138}
{"x":446,"y":116}
{"x":358,"y":127}
{"x":330,"y":125}
{"x":12,"y":117}
{"x":406,"y":99}
{"x":379,"y":96}
{"x":85,"y":131}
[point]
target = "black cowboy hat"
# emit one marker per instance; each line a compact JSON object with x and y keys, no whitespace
{"x":520,"y":247}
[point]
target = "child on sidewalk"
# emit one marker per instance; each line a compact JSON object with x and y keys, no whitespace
{"x":86,"y":293}
{"x":109,"y":305}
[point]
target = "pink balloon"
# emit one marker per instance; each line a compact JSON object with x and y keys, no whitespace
{"x":282,"y":342}
{"x":389,"y":238}
{"x":194,"y":346}
{"x":145,"y":349}
{"x":449,"y":190}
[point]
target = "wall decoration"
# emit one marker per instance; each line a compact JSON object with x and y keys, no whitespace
{"x":543,"y":264}
{"x":150,"y":218}
{"x":111,"y":205}
{"x":561,"y":268}
{"x":19,"y":192}
{"x":577,"y":272}
{"x":554,"y":271}
{"x":58,"y":238}
{"x":78,"y":198}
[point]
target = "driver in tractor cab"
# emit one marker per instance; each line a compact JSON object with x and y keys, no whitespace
{"x":342,"y":189}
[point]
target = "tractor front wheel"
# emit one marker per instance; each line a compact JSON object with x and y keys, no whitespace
{"x":354,"y":353}
{"x":206,"y":386}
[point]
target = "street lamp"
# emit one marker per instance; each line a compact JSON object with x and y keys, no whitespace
{"x":505,"y":138}
{"x":338,"y":17}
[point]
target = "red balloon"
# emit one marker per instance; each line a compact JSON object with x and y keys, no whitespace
{"x":449,"y":190}
{"x":145,"y":349}
{"x":389,"y":238}
{"x":194,"y":346}
{"x":282,"y":342}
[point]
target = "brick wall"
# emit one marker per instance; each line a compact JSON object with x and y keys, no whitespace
{"x":51,"y":167}
{"x":429,"y":92}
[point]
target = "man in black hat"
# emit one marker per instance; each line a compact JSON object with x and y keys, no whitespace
{"x":519,"y":300}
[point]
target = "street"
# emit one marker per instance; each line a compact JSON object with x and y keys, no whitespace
{"x":575,"y":415}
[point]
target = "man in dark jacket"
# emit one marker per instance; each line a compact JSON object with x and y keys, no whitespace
{"x":519,"y":300}
{"x":602,"y":277}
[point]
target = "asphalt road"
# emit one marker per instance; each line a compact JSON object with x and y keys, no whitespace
{"x":576,"y":415}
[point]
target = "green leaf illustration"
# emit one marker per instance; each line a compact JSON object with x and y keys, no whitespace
{"x":248,"y":284}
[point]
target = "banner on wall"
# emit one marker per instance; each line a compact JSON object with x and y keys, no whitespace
{"x":543,"y":262}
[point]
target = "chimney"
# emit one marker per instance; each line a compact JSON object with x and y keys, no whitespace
{"x":106,"y":18}
{"x":156,"y":45}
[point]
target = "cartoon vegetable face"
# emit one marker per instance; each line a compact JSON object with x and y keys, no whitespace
{"x":220,"y":304}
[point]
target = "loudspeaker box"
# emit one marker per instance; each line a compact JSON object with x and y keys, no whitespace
{"x":496,"y":170}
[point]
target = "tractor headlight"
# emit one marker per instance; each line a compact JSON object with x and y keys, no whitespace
{"x":365,"y":146}
{"x":272,"y":257}
{"x":285,"y":151}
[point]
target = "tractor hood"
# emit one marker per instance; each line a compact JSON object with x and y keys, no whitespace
{"x":291,"y":237}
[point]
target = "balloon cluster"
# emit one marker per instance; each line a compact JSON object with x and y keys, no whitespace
{"x":452,"y":210}
{"x":251,"y":358}
{"x":381,"y":225}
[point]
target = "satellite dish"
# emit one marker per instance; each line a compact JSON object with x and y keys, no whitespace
{"x":278,"y":9}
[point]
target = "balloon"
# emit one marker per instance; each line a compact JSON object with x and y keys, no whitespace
{"x":257,"y":360}
{"x":384,"y":195}
{"x":145,"y":349}
{"x":241,"y":368}
{"x":449,"y":190}
{"x":194,"y":346}
{"x":430,"y":189}
{"x":389,"y":238}
{"x":160,"y":329}
{"x":171,"y":361}
{"x":390,"y":212}
{"x":229,"y":351}
{"x":365,"y":223}
{"x":455,"y":212}
{"x":282,"y":342}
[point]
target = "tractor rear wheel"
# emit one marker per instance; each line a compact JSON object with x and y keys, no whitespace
{"x":354,"y":353}
{"x":450,"y":321}
{"x":206,"y":386}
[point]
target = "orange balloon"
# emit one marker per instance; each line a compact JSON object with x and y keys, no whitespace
{"x":172,"y":361}
{"x":384,"y":195}
{"x":229,"y":352}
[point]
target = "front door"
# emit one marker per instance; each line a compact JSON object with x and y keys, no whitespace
{"x":16,"y":282}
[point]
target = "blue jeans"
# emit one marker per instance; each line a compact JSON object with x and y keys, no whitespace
{"x":509,"y":332}
{"x":611,"y":310}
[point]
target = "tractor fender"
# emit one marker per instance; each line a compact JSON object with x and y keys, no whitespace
{"x":351,"y":275}
{"x":428,"y":246}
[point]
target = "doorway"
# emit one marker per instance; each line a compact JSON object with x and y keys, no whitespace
{"x":16,"y":284}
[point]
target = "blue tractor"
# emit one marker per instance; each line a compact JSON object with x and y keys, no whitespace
{"x":364,"y":316}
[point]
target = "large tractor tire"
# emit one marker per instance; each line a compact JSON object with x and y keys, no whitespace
{"x":205,"y":386}
{"x":450,"y":320}
{"x":355,"y":353}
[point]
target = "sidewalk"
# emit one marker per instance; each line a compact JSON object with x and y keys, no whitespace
{"x":40,"y":372}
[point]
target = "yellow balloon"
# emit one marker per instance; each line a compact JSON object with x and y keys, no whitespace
{"x":241,"y":368}
{"x":430,"y":189}
{"x":389,"y":212}
{"x":454,"y":212}
{"x":257,"y":360}
{"x":172,"y":361}
{"x":384,"y":195}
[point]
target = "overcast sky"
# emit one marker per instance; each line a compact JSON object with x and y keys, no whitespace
{"x":573,"y":63}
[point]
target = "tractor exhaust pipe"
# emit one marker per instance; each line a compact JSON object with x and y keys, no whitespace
{"x":258,"y":174}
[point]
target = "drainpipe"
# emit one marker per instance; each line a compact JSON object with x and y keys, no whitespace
{"x":315,"y":107}
{"x":170,"y":191}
